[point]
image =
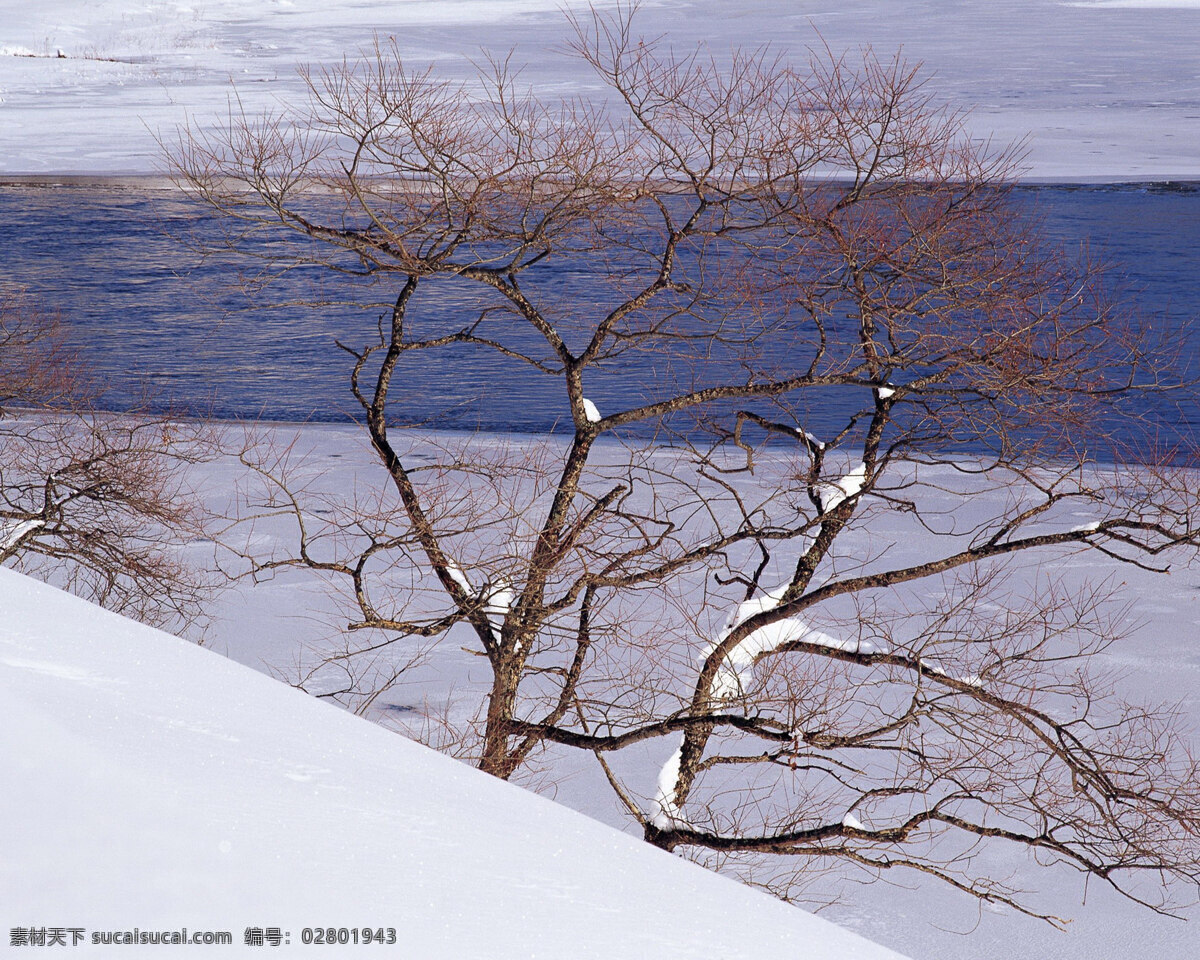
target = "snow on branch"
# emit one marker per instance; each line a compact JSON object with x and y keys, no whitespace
{"x":831,"y":493}
{"x":495,"y":596}
{"x":456,"y":573}
{"x":809,"y":439}
{"x":12,"y":535}
{"x":498,"y":599}
{"x":664,"y":811}
{"x":733,"y":676}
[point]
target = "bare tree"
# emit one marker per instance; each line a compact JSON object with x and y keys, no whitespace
{"x":94,"y":501}
{"x":814,"y":556}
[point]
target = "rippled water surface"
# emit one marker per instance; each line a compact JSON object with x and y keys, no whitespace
{"x":146,"y":311}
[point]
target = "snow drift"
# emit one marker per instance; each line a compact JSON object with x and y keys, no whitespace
{"x":154,"y":785}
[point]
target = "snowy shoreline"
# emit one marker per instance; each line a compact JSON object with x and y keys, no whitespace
{"x":1096,"y":92}
{"x":1159,"y":661}
{"x":266,"y":627}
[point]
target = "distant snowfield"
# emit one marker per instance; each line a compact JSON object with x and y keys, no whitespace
{"x":1142,"y":4}
{"x":1103,"y":90}
{"x":151,"y":785}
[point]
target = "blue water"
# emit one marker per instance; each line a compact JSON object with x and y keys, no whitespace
{"x":147,"y":313}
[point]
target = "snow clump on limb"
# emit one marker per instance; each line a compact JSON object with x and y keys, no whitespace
{"x":664,"y":811}
{"x":456,"y":574}
{"x":590,"y":411}
{"x":498,"y":599}
{"x":833,"y":492}
{"x":497,"y":596}
{"x":732,"y":677}
{"x":729,"y":681}
{"x":12,"y":535}
{"x":809,"y":439}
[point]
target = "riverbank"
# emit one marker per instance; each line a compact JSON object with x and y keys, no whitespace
{"x":287,"y":623}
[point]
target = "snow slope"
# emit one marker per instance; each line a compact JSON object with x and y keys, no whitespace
{"x":1108,"y":89}
{"x":153,"y":785}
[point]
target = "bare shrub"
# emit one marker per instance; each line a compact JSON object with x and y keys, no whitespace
{"x":97,"y":502}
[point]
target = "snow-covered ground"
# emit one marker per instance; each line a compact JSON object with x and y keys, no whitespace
{"x":269,"y":627}
{"x":1106,"y":89}
{"x":151,"y":785}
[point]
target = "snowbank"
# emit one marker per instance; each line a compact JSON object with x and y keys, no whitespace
{"x":152,"y":785}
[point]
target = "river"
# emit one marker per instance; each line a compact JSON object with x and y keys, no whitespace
{"x":148,"y":314}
